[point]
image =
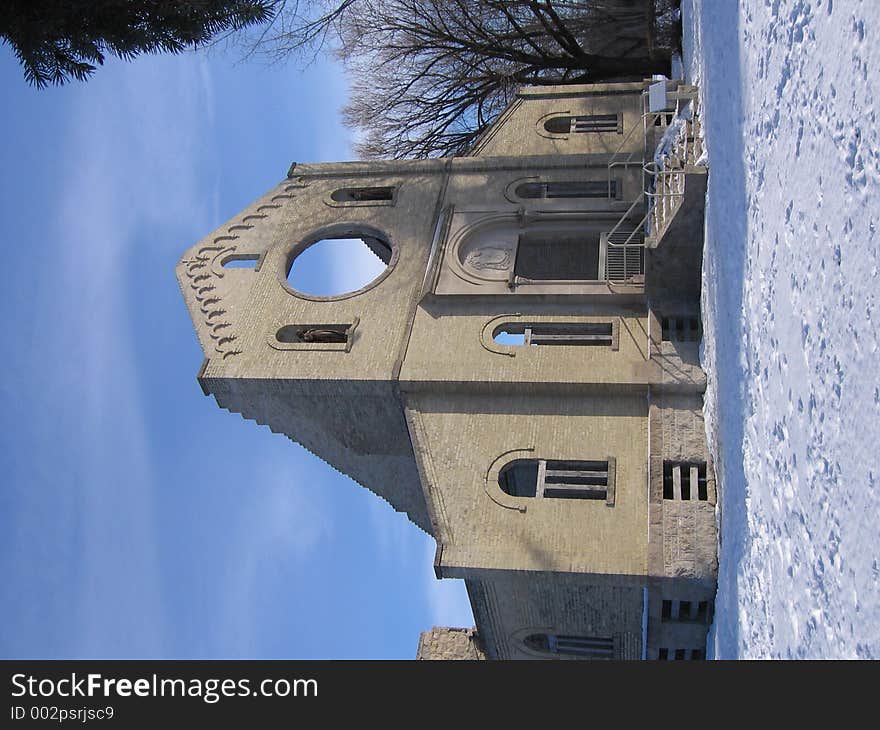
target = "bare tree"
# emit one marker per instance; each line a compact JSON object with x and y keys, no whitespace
{"x":297,"y":30}
{"x":429,"y":76}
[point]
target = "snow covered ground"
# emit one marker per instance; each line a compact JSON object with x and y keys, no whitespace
{"x":790,"y":92}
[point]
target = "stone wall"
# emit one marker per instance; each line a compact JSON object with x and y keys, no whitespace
{"x":446,"y":643}
{"x":463,"y":440}
{"x":522,"y":127}
{"x":511,"y":606}
{"x":417,"y":401}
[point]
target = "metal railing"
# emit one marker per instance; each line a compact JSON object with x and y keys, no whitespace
{"x":662,"y":193}
{"x":635,"y":156}
{"x":623,"y":246}
{"x":664,"y":198}
{"x":649,"y":121}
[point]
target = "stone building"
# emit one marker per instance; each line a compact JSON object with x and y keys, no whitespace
{"x":522,"y":380}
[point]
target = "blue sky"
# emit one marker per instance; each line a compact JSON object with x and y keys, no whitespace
{"x":122,"y":533}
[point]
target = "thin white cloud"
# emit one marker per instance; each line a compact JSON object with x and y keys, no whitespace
{"x":283,"y":522}
{"x":169,"y":107}
{"x":329,"y":137}
{"x":132,"y":130}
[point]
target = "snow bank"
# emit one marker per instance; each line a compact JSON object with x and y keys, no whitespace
{"x":789,"y":90}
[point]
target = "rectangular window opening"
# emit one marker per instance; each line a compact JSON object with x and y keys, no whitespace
{"x":688,"y":611}
{"x":591,"y":189}
{"x":241,"y":261}
{"x":702,"y":611}
{"x":558,"y":257}
{"x":574,"y":479}
{"x":595,"y":123}
{"x":586,"y":334}
{"x":680,"y":329}
{"x":600,"y":648}
{"x":685,"y":480}
{"x":314,"y":333}
{"x":567,"y":189}
{"x":667,"y":480}
{"x":559,"y":479}
{"x":702,"y":485}
{"x":363,"y":195}
{"x":663,"y":654}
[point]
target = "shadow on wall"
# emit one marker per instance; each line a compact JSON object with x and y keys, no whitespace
{"x":718,"y":26}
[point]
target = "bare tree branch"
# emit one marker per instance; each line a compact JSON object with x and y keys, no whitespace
{"x":429,"y":76}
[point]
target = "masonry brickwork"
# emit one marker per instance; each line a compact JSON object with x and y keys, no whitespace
{"x":564,"y":475}
{"x":445,"y":643}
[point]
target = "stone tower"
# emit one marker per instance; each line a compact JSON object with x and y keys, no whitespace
{"x":523,"y":378}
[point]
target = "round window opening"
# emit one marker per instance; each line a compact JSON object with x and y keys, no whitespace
{"x":335,"y":267}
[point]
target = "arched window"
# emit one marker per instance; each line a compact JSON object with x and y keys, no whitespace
{"x":567,"y":189}
{"x":315,"y":333}
{"x":315,"y":337}
{"x":379,"y":194}
{"x":565,"y":254}
{"x":581,"y":124}
{"x":558,"y":479}
{"x":588,"y":647}
{"x":584,"y":334}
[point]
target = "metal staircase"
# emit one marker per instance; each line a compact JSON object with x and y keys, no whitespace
{"x":670,"y":117}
